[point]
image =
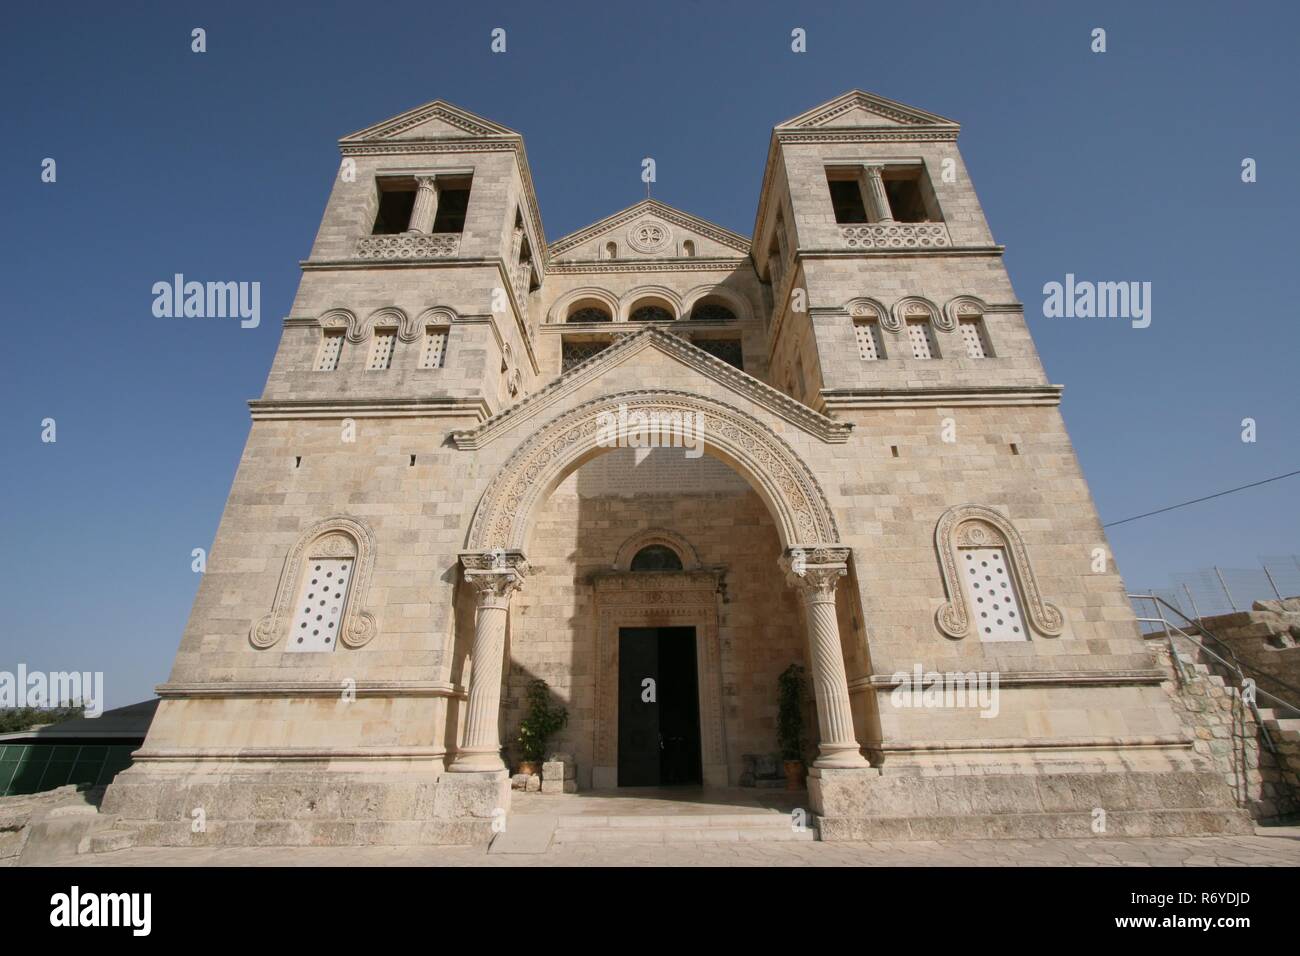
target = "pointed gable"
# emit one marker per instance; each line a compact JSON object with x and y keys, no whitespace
{"x":650,"y":230}
{"x":857,"y":109}
{"x":436,"y":120}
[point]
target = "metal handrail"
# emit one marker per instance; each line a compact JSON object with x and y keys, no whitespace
{"x":1234,"y":665}
{"x":1236,"y":661}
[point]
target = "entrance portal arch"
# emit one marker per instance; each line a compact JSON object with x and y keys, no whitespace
{"x":775,"y":471}
{"x":495,"y":565}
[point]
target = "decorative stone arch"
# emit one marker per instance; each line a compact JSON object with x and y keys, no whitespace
{"x":734,"y":301}
{"x":559,"y":313}
{"x":661,"y":536}
{"x":335,"y":537}
{"x":779,"y":476}
{"x":963,"y":306}
{"x":338,"y":319}
{"x":865,"y":307}
{"x":667,"y":296}
{"x":965,"y":526}
{"x":385,"y":318}
{"x":919,"y":307}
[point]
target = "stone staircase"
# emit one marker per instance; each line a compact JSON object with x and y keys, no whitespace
{"x":771,"y":827}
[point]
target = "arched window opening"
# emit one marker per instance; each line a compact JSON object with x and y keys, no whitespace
{"x":651,"y":311}
{"x":656,"y":557}
{"x":709,"y":311}
{"x":589,"y":313}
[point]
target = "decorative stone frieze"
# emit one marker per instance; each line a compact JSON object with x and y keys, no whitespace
{"x":896,"y":235}
{"x":409,"y":245}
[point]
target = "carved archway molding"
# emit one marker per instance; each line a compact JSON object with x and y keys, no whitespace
{"x":967,"y":526}
{"x":798,"y":505}
{"x":335,"y":537}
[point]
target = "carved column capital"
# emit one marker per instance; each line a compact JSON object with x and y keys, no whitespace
{"x":494,"y":575}
{"x":814,"y":571}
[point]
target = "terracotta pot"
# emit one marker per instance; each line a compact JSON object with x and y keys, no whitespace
{"x":794,"y":775}
{"x":529,"y":767}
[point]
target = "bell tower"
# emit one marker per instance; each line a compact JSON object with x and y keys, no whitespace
{"x":883,"y":272}
{"x":420,"y":282}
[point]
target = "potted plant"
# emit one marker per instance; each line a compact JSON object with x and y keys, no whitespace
{"x":789,"y":725}
{"x":540,"y":721}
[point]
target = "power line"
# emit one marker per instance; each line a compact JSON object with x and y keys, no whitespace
{"x":1184,"y":504}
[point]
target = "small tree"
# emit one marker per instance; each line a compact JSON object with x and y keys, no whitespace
{"x":789,"y":715}
{"x":540,"y":722}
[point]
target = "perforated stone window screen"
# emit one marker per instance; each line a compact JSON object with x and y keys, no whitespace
{"x":318,"y":611}
{"x":434,"y":352}
{"x":381,"y":356}
{"x":991,"y":594}
{"x":728,"y":350}
{"x":575,"y":353}
{"x":868,"y":334}
{"x":921,"y":337}
{"x":330,"y":349}
{"x":972,"y":334}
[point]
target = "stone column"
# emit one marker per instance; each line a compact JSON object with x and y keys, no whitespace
{"x":426,"y":205}
{"x":493,"y":577}
{"x":814,"y":572}
{"x":877,"y":198}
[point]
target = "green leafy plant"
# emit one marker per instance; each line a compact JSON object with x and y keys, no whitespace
{"x":541,"y":721}
{"x":789,"y":715}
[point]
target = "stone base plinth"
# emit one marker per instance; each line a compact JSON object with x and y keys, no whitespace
{"x":869,"y":805}
{"x":306,"y":807}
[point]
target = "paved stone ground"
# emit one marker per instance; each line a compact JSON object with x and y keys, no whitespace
{"x":1278,"y":846}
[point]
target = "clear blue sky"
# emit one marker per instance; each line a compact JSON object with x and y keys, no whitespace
{"x":1119,"y":166}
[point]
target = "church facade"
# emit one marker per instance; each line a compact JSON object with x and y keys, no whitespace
{"x":658,"y":449}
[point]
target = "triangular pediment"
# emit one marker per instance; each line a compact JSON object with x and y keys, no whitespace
{"x":436,"y":120}
{"x":857,"y":109}
{"x":646,"y":347}
{"x":649,"y":229}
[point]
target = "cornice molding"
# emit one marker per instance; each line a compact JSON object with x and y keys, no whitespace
{"x":852,"y":399}
{"x":270,"y":409}
{"x":1115,"y":678}
{"x":183,"y":690}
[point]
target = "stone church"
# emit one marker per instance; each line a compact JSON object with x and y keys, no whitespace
{"x":866,"y":474}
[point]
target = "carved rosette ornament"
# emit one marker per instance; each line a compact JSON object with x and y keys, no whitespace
{"x":649,"y":235}
{"x":976,"y":526}
{"x":336,"y":537}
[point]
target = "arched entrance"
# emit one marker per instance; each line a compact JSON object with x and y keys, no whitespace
{"x":495,"y":563}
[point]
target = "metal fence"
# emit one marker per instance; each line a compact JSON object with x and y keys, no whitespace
{"x":1216,"y":590}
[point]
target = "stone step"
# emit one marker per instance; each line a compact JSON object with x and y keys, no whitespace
{"x":106,"y":841}
{"x":681,"y":828}
{"x":642,"y":835}
{"x":678,"y":821}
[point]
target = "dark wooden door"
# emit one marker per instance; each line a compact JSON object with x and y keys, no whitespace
{"x":658,"y":723}
{"x":638,"y":717}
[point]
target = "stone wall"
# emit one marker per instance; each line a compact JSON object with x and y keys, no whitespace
{"x":1266,"y":640}
{"x":1264,"y":781}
